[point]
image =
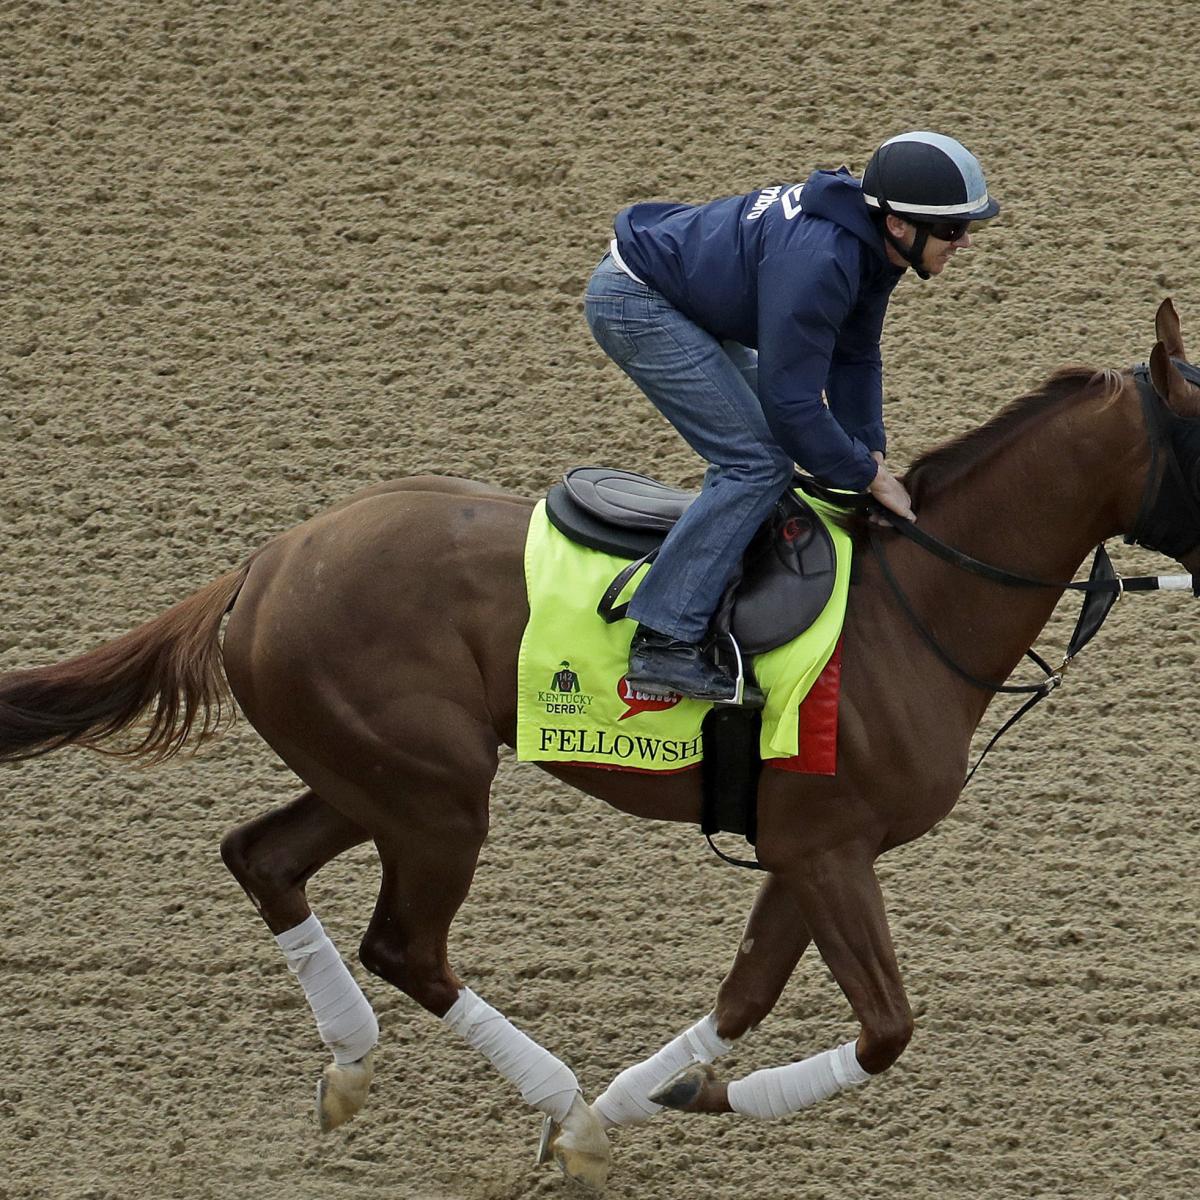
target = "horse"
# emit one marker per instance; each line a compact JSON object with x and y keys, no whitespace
{"x":374,"y":648}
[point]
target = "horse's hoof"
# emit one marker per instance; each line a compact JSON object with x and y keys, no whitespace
{"x":684,"y":1087}
{"x":579,"y":1145}
{"x":342,"y":1091}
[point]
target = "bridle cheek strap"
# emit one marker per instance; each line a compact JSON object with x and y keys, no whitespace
{"x":1169,"y":516}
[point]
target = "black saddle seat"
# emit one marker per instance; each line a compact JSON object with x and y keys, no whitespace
{"x":619,"y":512}
{"x":787,"y":573}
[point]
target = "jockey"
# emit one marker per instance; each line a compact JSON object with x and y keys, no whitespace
{"x":735,"y":318}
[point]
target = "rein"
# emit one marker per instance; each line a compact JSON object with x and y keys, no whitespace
{"x":1170,"y":485}
{"x":1101,"y":589}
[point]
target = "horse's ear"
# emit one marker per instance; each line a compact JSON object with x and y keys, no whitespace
{"x":1180,"y":396}
{"x":1166,"y":329}
{"x":1160,"y":368}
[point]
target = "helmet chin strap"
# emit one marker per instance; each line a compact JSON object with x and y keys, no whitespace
{"x":914,"y":254}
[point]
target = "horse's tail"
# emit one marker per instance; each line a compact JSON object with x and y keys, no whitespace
{"x":170,"y":667}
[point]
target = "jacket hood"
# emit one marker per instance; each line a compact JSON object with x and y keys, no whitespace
{"x":837,"y":196}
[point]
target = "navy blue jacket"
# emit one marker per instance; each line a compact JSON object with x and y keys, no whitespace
{"x":800,"y":273}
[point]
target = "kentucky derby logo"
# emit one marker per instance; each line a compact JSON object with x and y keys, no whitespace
{"x":565,"y":680}
{"x":565,"y":694}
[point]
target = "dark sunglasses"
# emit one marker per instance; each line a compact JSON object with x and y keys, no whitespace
{"x":945,"y":231}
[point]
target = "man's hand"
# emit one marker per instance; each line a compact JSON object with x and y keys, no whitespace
{"x":889,"y":491}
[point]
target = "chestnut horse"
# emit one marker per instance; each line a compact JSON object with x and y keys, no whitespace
{"x":374,"y":648}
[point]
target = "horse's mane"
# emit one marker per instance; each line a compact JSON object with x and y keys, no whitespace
{"x":941,"y":466}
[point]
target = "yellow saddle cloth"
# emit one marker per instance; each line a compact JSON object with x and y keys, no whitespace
{"x":573,"y":703}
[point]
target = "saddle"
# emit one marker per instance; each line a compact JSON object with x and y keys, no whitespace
{"x":786,"y":578}
{"x":787,"y":573}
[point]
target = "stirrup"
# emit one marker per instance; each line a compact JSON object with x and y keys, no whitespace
{"x":745,"y":695}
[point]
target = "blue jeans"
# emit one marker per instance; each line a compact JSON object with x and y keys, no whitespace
{"x":707,"y":389}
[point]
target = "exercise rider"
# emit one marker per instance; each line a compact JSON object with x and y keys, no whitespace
{"x":735,"y":318}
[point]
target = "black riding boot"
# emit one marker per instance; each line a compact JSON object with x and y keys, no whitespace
{"x":660,"y":664}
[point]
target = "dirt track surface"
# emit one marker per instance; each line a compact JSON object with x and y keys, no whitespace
{"x":257,"y":256}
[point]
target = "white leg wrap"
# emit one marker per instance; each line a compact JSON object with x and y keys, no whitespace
{"x":345,"y":1020}
{"x":780,"y":1090}
{"x":624,"y":1101}
{"x":544,"y":1081}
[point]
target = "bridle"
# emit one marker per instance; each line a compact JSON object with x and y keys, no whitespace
{"x":1173,"y":479}
{"x":1168,"y":522}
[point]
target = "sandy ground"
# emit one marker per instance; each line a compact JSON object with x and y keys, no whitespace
{"x":259,"y":255}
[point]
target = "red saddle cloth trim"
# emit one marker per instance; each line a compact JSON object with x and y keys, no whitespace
{"x":818,"y":724}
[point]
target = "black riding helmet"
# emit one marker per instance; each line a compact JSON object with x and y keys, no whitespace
{"x":923,"y":178}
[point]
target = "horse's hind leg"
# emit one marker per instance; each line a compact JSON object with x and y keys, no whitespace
{"x":425,"y":880}
{"x":273,"y":857}
{"x":417,"y":778}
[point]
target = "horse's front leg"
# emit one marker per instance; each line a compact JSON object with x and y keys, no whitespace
{"x":774,"y":939}
{"x":838,"y":896}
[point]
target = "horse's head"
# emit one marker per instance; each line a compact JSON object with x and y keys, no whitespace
{"x":1169,"y":516}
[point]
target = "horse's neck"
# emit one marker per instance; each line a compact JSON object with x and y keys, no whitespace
{"x":1035,"y":506}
